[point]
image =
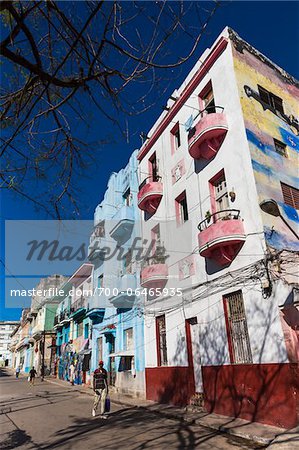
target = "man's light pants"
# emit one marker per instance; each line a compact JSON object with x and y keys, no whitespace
{"x":100,"y":396}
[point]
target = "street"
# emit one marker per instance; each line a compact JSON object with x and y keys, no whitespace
{"x":50,"y":416}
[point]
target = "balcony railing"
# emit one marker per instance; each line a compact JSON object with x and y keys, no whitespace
{"x":154,"y":270}
{"x":225,"y":214}
{"x":63,"y":315}
{"x":153,"y":260}
{"x":78,"y":304}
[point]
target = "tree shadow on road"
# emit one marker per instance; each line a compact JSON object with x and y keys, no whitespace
{"x":15,"y":439}
{"x":132,"y":428}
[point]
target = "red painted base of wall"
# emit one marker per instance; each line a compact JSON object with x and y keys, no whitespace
{"x":172,"y":385}
{"x":266,"y":393}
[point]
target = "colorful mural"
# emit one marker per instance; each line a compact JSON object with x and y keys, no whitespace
{"x":269,"y":100}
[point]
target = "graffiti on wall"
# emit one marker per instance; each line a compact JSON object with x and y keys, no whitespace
{"x":270,"y":100}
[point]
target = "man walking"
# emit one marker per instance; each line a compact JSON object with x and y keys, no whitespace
{"x":100,"y":387}
{"x":32,"y":375}
{"x":18,"y":370}
{"x":72,"y":374}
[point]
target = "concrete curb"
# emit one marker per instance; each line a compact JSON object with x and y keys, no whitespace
{"x":246,"y":436}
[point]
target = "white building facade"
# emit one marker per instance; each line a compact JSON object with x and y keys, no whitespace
{"x":224,"y":331}
{"x":6,"y":329}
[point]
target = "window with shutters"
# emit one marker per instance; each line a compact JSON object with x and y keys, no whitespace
{"x":237,"y":330}
{"x":153,"y":168}
{"x":129,"y":343}
{"x":271,"y":99}
{"x":127,"y":197}
{"x":161,"y":341}
{"x":280,"y":147}
{"x":206,"y":99}
{"x":175,"y":137}
{"x":100,"y":281}
{"x":79,"y":329}
{"x":220,"y":193}
{"x":181,"y":208}
{"x":290,"y":195}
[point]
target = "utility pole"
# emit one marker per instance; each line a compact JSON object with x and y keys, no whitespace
{"x":43,"y":357}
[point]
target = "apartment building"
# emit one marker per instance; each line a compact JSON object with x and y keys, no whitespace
{"x":73,"y":327}
{"x":115,"y":310}
{"x":219,"y":196}
{"x":6,"y":329}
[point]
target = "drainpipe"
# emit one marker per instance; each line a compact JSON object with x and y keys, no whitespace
{"x":43,"y":357}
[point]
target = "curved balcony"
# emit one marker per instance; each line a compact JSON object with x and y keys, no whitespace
{"x":205,"y":139}
{"x":221,"y":236}
{"x":150,"y":194}
{"x":96,"y":315}
{"x":125,"y":299}
{"x":78,"y":308}
{"x":154,"y":273}
{"x":123,"y":222}
{"x":61,"y":319}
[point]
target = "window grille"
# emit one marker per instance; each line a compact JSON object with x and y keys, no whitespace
{"x":240,"y":350}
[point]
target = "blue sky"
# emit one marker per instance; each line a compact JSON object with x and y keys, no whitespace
{"x":271,"y":27}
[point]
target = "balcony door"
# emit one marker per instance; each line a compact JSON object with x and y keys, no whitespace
{"x":153,"y":167}
{"x":206,"y":100}
{"x":219,"y":196}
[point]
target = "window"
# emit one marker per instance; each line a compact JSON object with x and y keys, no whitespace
{"x":207,"y":102}
{"x":280,"y":147}
{"x":99,"y":230}
{"x":290,"y":195}
{"x":129,"y":343}
{"x":126,"y":264}
{"x":221,"y":194}
{"x":127,"y":197}
{"x":86,"y":331}
{"x":100,"y":281}
{"x":175,"y":138}
{"x":182,"y":208}
{"x":161,"y":341}
{"x":79,"y":329}
{"x":236,"y":327}
{"x":126,"y":363}
{"x":153,"y":168}
{"x":270,"y":99}
{"x":100,"y":348}
{"x":156,"y":238}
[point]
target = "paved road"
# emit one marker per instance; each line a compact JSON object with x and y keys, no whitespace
{"x":48,"y":416}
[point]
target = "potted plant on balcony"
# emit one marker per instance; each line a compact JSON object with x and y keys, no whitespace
{"x":208,"y":216}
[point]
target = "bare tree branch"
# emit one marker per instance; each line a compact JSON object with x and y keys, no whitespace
{"x":66,"y":60}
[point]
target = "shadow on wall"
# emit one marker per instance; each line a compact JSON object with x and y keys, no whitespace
{"x":261,"y":392}
{"x":171,"y":384}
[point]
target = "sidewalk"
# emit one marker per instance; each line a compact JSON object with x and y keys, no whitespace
{"x":272,"y":437}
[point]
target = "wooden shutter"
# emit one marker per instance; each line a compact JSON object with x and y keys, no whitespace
{"x":290,"y":195}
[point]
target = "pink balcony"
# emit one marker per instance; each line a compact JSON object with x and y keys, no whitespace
{"x":149,"y":196}
{"x":221,"y":236}
{"x":206,"y":137}
{"x":154,"y":275}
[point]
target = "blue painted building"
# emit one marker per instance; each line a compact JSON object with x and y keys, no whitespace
{"x":115,"y":310}
{"x":73,"y":326}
